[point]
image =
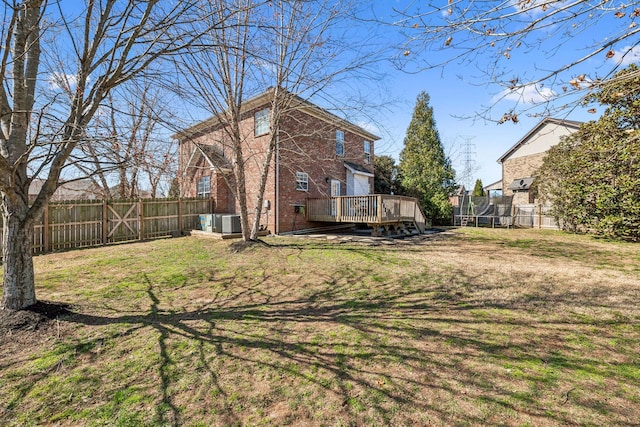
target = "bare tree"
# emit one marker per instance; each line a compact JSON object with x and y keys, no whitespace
{"x":127,"y":145}
{"x":96,"y":48}
{"x":295,"y":48}
{"x":583,"y":43}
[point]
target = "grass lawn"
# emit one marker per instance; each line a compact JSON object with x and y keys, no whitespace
{"x":466,"y":327}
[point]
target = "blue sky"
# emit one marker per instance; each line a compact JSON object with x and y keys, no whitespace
{"x":460,"y":89}
{"x":452,"y":99}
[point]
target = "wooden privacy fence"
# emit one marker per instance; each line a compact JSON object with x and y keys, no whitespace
{"x":533,"y":216}
{"x":84,"y":223}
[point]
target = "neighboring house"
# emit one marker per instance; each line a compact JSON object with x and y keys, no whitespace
{"x":494,"y":189}
{"x":454,"y":199}
{"x":114,"y":191}
{"x":82,"y":189}
{"x":318,"y":155}
{"x":521,"y":161}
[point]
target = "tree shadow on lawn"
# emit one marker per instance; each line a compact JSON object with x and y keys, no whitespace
{"x":405,"y":350}
{"x":439,"y":351}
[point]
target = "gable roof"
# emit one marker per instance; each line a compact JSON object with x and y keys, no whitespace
{"x":521,"y":184}
{"x":460,"y":191}
{"x":494,"y":186}
{"x":544,"y":122}
{"x":355,"y":168}
{"x":70,"y":190}
{"x":297,"y":104}
{"x":211,"y":154}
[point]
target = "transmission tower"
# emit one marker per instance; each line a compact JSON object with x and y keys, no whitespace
{"x":469,"y":162}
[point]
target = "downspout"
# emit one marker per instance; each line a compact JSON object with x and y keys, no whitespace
{"x":277,"y":201}
{"x":181,"y":172}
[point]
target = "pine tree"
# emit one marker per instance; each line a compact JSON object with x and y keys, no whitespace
{"x":478,"y":189}
{"x":386,"y":178}
{"x":425,"y":170}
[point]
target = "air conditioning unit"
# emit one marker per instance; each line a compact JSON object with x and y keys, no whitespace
{"x":231,"y":224}
{"x":217,"y":222}
{"x":206,"y":222}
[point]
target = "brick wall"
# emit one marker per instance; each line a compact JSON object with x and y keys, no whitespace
{"x":306,"y":144}
{"x":520,"y":167}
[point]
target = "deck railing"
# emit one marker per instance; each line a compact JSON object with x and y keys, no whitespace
{"x":370,"y":209}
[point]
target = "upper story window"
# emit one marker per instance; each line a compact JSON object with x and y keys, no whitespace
{"x":203,"y":187}
{"x":367,"y":152}
{"x":302,"y":181}
{"x":339,"y":143}
{"x":261,"y":122}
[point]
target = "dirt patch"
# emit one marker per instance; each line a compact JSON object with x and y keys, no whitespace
{"x":33,"y":317}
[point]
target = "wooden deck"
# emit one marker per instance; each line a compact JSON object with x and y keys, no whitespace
{"x":373,"y":209}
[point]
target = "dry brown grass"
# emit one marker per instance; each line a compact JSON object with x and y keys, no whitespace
{"x":467,"y":327}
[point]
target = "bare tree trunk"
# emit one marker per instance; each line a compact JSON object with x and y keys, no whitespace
{"x":241,"y":191}
{"x":118,"y":42}
{"x":266,"y":167}
{"x":18,"y":276}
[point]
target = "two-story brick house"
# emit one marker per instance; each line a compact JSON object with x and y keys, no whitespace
{"x":318,"y":154}
{"x":520,"y":162}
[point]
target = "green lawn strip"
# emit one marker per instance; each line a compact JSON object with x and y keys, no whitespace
{"x":318,"y":332}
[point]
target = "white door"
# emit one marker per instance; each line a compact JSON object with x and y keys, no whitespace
{"x":335,"y":188}
{"x":335,"y":192}
{"x":360,"y":185}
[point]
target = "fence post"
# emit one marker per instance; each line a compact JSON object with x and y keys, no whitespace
{"x":105,"y":222}
{"x":539,"y":216}
{"x":179,"y":214}
{"x":140,"y":219}
{"x":513,"y":215}
{"x":379,"y":210}
{"x":45,"y":230}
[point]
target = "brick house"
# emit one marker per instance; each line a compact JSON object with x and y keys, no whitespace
{"x":521,"y":161}
{"x":318,"y":154}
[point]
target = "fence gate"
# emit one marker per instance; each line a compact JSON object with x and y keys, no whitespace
{"x":123,"y":221}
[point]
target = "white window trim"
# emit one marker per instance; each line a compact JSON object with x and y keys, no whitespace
{"x":367,"y":152}
{"x":202,"y":190}
{"x":340,"y":142}
{"x":302,"y":181}
{"x":261,"y":122}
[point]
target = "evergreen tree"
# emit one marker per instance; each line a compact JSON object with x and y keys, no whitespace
{"x":592,"y":178}
{"x":478,"y":190}
{"x":425,"y":170}
{"x":386,"y":177}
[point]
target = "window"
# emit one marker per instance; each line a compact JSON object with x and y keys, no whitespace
{"x":203,"y":187}
{"x":367,"y":152}
{"x":302,"y":181}
{"x":339,"y":143}
{"x":261,"y":122}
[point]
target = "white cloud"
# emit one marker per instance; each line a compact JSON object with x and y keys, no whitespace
{"x":627,"y":55}
{"x":58,"y":80}
{"x":530,"y":94}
